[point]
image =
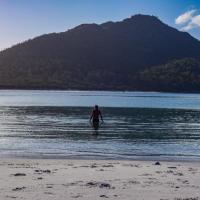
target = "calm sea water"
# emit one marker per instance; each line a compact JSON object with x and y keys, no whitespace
{"x":138,"y":125}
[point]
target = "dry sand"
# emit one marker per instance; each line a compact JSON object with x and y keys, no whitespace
{"x":46,"y":179}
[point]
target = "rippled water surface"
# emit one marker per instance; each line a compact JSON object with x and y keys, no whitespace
{"x":137,"y":125}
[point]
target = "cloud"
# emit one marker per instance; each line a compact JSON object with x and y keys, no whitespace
{"x":185,"y":17}
{"x":196,"y":20}
{"x":194,"y":23}
{"x":189,"y":19}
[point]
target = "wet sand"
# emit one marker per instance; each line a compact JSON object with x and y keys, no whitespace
{"x":46,"y":179}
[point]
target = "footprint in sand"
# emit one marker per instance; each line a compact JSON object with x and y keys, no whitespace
{"x":18,"y":188}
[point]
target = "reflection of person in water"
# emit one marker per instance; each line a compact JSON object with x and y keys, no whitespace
{"x":96,"y":113}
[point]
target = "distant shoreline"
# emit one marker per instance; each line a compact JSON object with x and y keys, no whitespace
{"x":95,"y":90}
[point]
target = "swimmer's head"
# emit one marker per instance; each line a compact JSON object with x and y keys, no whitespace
{"x":96,"y":107}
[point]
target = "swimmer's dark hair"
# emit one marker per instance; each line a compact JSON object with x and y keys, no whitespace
{"x":96,"y":106}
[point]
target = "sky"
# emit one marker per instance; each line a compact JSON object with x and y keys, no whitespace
{"x":21,"y":20}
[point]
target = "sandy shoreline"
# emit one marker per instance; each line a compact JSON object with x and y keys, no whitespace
{"x":42,"y":179}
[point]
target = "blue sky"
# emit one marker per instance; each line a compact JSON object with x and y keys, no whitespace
{"x":24,"y":19}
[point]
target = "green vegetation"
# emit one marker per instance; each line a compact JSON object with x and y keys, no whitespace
{"x":179,"y":75}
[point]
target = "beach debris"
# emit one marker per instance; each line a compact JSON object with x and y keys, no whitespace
{"x":178,"y":174}
{"x":104,"y":185}
{"x":137,"y":166}
{"x":43,"y":171}
{"x":84,"y":166}
{"x":159,"y":172}
{"x":157,"y":163}
{"x":91,"y":183}
{"x":46,"y":171}
{"x":146,"y":174}
{"x":19,"y":174}
{"x":172,"y":167}
{"x":72,"y":183}
{"x":11,"y":197}
{"x":133,"y":182}
{"x":50,"y":193}
{"x":185,"y":182}
{"x":192,"y":169}
{"x":76,"y":196}
{"x":104,"y":196}
{"x":94,"y":165}
{"x":128,"y":165}
{"x":164,"y":199}
{"x":98,"y":184}
{"x":170,"y":171}
{"x":18,"y":188}
{"x":108,"y":165}
{"x":192,"y":198}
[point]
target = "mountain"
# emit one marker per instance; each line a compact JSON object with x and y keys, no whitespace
{"x":109,"y":56}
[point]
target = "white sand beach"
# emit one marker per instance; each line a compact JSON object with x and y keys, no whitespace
{"x":46,"y":179}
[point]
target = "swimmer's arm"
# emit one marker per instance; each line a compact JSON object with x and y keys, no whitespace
{"x":101,"y":116}
{"x":91,"y":116}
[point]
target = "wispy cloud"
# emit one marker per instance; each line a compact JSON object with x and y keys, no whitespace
{"x":185,"y":17}
{"x":190,"y":20}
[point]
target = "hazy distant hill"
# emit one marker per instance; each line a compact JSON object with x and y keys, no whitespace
{"x":110,"y":56}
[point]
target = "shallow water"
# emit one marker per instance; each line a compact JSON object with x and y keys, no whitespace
{"x":137,"y":125}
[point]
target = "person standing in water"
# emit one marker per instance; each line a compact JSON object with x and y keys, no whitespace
{"x":96,"y":113}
